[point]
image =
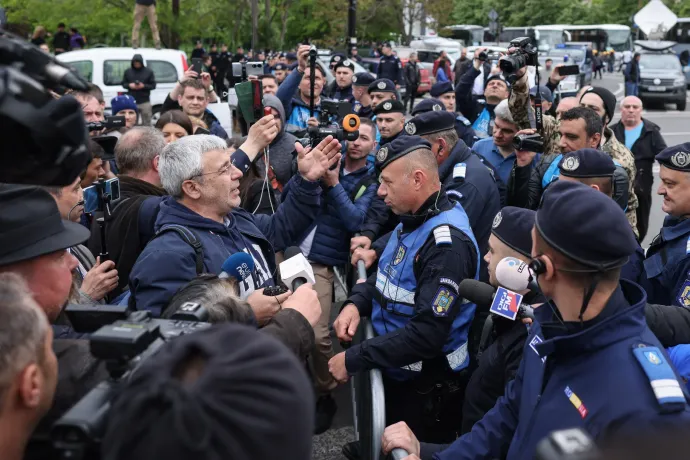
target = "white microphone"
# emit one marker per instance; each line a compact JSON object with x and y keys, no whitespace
{"x":296,"y":270}
{"x":513,"y":274}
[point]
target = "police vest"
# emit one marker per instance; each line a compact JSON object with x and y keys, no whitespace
{"x":394,"y":300}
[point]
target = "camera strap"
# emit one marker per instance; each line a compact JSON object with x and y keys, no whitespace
{"x":538,"y":115}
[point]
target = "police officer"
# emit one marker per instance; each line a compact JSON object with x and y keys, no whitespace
{"x":341,"y":88}
{"x":360,"y":91}
{"x":667,"y":265}
{"x":335,"y":59}
{"x":445,"y":93}
{"x":280,"y":71}
{"x":590,"y":361}
{"x":462,"y":174}
{"x":390,"y":120}
{"x":595,"y":168}
{"x":390,"y":66}
{"x":420,"y":321}
{"x":382,"y":90}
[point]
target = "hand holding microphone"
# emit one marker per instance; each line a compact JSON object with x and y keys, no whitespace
{"x":296,"y":271}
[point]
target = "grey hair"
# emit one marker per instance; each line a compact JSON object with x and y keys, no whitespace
{"x":449,"y":135}
{"x":182,"y":160}
{"x":136,"y":149}
{"x":502,"y":112}
{"x":23,"y":329}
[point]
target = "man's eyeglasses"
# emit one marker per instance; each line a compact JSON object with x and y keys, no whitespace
{"x":222,"y":171}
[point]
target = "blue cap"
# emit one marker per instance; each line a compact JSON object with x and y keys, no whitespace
{"x":586,"y":163}
{"x":585,"y":225}
{"x":382,"y":85}
{"x":545,"y":92}
{"x":676,"y":157}
{"x":400,"y":147}
{"x":392,"y":106}
{"x":291,"y":56}
{"x":123,"y":102}
{"x":513,"y":226}
{"x":345,"y":63}
{"x":362,"y":79}
{"x":430,"y":122}
{"x":280,"y":66}
{"x":337,"y":57}
{"x":428,"y":105}
{"x":441,"y":88}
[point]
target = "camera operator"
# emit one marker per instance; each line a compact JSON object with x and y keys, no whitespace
{"x":224,"y":392}
{"x":93,"y":110}
{"x":445,"y":93}
{"x":479,"y":108}
{"x":297,"y":105}
{"x":589,"y":355}
{"x":202,"y":223}
{"x":29,"y":366}
{"x":93,"y":278}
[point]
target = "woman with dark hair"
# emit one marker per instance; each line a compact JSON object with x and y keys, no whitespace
{"x":256,"y":193}
{"x":174,"y":124}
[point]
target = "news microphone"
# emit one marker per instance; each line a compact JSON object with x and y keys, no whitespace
{"x":502,"y":302}
{"x":295,"y":270}
{"x":476,"y":292}
{"x":240,"y":266}
{"x":515,"y":275}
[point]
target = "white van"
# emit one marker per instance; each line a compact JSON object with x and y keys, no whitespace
{"x":105,"y":67}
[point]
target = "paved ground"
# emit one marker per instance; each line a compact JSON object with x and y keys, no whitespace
{"x":675,"y":127}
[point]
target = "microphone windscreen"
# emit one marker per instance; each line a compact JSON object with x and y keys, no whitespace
{"x":476,"y":292}
{"x":513,"y":274}
{"x":291,"y":252}
{"x":239,"y":265}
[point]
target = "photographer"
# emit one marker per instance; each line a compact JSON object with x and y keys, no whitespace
{"x":204,"y":186}
{"x":139,"y":81}
{"x":224,"y":392}
{"x":193,"y":96}
{"x":29,"y":366}
{"x":292,"y":324}
{"x":479,"y":108}
{"x":297,"y":105}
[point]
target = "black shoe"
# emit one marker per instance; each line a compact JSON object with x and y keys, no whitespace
{"x":352,"y":450}
{"x":325,"y":411}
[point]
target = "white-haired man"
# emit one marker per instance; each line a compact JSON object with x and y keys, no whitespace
{"x":201,"y":224}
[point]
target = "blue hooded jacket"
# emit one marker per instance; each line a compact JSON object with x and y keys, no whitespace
{"x":588,"y":378}
{"x":168,"y":262}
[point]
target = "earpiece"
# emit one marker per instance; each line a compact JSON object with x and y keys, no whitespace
{"x":537,"y":266}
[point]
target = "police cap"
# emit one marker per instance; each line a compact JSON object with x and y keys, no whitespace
{"x":428,"y":105}
{"x":280,"y":66}
{"x":399,"y":148}
{"x":585,"y":225}
{"x":382,"y":85}
{"x":430,"y":122}
{"x":362,"y":79}
{"x":441,"y":88}
{"x":676,"y":157}
{"x":345,"y":63}
{"x":392,"y":106}
{"x":545,"y":93}
{"x":291,"y":56}
{"x":337,"y":57}
{"x":513,"y":226}
{"x":585,"y":163}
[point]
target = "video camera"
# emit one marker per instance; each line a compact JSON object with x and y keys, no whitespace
{"x":339,"y":110}
{"x":123,"y":345}
{"x":109,"y":123}
{"x":529,"y":142}
{"x":527,"y":54}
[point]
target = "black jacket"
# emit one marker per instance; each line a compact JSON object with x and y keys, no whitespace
{"x":412,"y":77}
{"x":646,"y":147}
{"x":669,"y":323}
{"x":61,"y":41}
{"x":468,"y":104}
{"x":143,"y":75}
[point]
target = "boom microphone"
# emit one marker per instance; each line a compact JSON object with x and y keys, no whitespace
{"x":295,"y":270}
{"x":240,"y":266}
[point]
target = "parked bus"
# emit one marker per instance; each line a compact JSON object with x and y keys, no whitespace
{"x":467,"y":35}
{"x":680,"y":33}
{"x":602,"y":36}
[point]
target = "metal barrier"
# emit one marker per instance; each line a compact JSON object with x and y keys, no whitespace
{"x":369,"y":399}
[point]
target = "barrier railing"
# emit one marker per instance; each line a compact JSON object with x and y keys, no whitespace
{"x":368,"y":397}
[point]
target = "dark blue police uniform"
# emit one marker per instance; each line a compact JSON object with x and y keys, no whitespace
{"x":390,"y":67}
{"x":667,"y":266}
{"x":393,"y":106}
{"x":362,"y":79}
{"x":608,"y":375}
{"x":463,"y":126}
{"x":333,"y":91}
{"x":420,"y":321}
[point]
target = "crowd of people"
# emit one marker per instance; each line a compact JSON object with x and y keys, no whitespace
{"x":429,"y":196}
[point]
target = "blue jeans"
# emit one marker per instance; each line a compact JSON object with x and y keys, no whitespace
{"x":631,"y":89}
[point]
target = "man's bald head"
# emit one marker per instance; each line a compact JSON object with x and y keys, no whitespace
{"x":422,"y":159}
{"x":631,"y":111}
{"x":566,"y":104}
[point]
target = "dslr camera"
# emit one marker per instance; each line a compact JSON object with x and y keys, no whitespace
{"x":339,"y":110}
{"x":526,"y":54}
{"x":529,"y":142}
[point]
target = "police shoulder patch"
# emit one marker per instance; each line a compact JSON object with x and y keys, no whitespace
{"x":459,"y":171}
{"x":442,"y":235}
{"x":463,"y":120}
{"x":661,"y":377}
{"x":449,"y":282}
{"x":443,"y":300}
{"x":684,"y":293}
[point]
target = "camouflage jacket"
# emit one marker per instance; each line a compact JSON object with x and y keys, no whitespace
{"x":624,"y":157}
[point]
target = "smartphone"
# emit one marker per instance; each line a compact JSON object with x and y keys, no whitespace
{"x":197,"y":65}
{"x":91,"y":199}
{"x":569,"y":70}
{"x":255,"y":68}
